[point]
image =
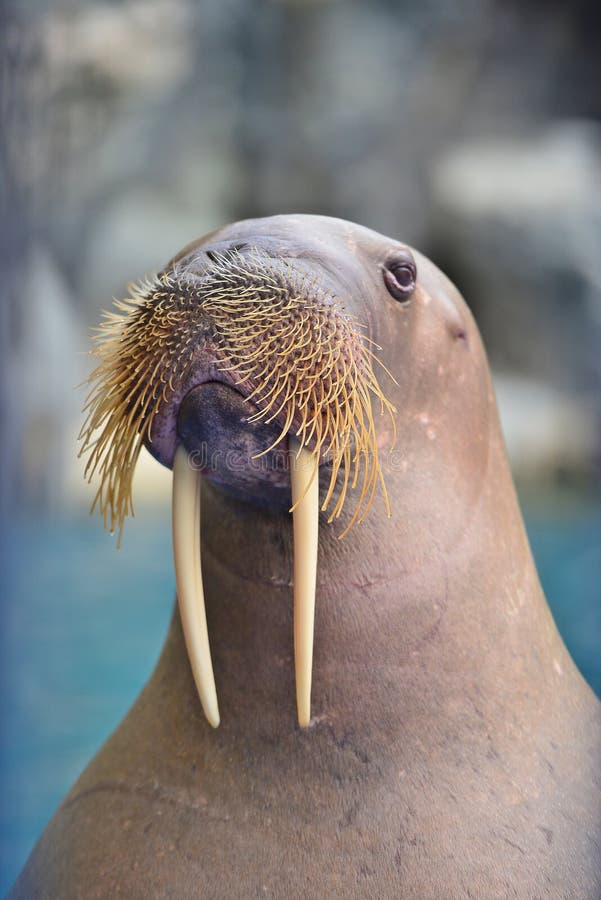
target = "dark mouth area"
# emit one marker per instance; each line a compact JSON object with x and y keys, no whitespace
{"x":215,"y":426}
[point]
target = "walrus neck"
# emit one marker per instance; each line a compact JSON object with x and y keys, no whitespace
{"x":386,"y":611}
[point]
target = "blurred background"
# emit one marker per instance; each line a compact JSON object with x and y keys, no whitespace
{"x":468,"y":128}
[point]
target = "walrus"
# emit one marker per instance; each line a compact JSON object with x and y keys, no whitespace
{"x":367,"y":697}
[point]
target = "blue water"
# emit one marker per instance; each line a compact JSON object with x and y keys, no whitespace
{"x":68,"y":675}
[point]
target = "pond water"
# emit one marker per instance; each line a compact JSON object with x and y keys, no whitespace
{"x":68,"y":676}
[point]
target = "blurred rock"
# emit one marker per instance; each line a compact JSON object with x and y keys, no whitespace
{"x":45,"y":375}
{"x":549,"y":435}
{"x":136,"y":46}
{"x":134,"y":236}
{"x":518,"y":225}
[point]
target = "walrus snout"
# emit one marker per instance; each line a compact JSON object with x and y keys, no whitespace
{"x":227,"y":446}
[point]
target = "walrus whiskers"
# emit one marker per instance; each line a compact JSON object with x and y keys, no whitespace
{"x":318,"y":382}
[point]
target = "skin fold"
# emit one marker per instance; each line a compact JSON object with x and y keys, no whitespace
{"x":453,"y":749}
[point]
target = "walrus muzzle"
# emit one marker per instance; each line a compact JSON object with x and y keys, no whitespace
{"x":277,"y":335}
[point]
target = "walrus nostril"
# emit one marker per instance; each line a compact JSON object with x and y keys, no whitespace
{"x":216,"y":255}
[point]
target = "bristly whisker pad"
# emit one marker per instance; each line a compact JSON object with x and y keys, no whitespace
{"x":286,"y":343}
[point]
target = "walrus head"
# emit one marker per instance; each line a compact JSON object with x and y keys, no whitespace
{"x":255,"y":359}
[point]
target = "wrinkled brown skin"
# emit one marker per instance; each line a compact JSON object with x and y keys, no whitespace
{"x":454,"y":750}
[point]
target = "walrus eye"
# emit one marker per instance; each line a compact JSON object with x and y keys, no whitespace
{"x":399,"y":278}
